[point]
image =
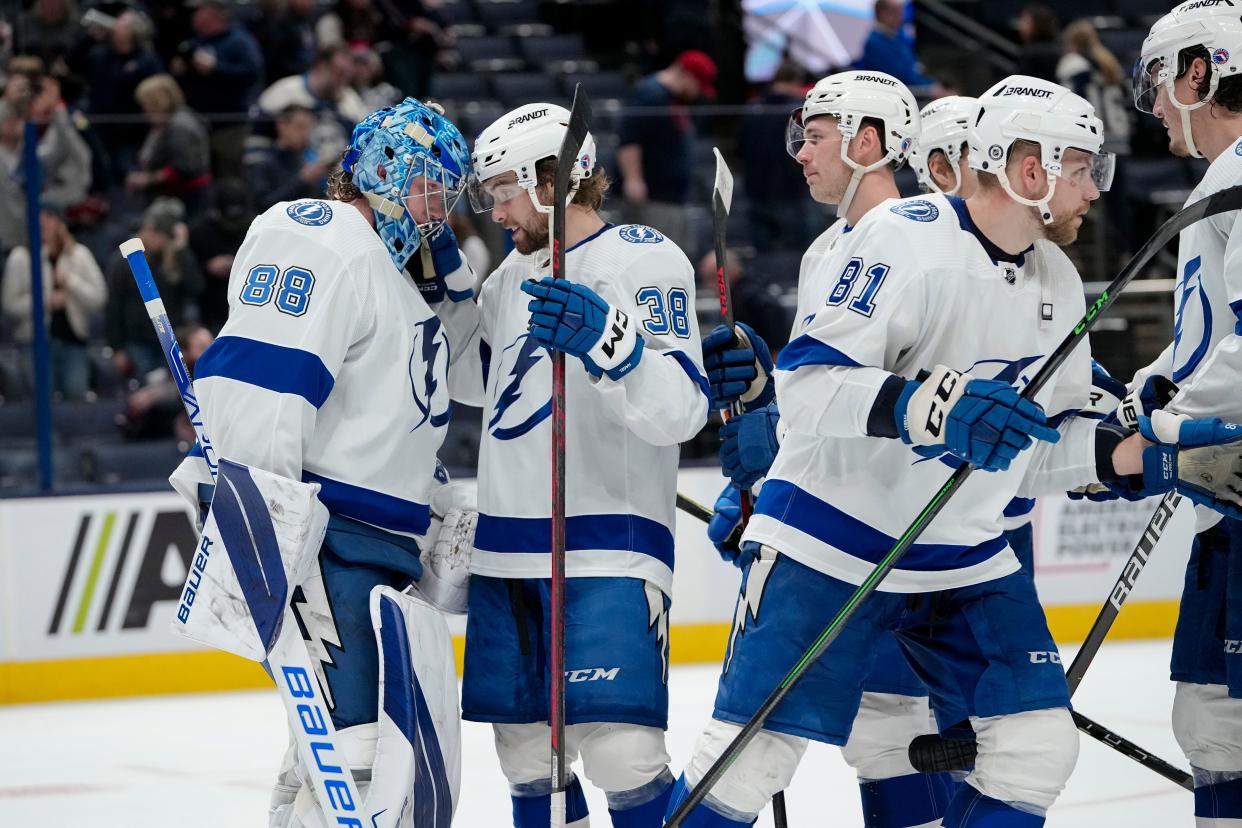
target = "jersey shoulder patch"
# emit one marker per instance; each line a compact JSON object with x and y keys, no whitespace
{"x":640,"y":234}
{"x":312,"y":213}
{"x":916,"y":210}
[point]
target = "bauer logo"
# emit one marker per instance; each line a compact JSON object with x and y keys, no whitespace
{"x":121,"y":564}
{"x":640,"y":234}
{"x":310,"y":213}
{"x":529,"y":116}
{"x":917,"y":210}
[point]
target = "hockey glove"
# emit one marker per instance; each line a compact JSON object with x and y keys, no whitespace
{"x":568,"y":317}
{"x":748,"y":445}
{"x":450,"y":276}
{"x":1106,"y":393}
{"x":1156,"y":393}
{"x":984,"y":422}
{"x":738,"y":367}
{"x":724,"y":525}
{"x":1201,"y":459}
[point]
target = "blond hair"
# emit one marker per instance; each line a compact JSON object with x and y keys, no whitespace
{"x":160,"y":93}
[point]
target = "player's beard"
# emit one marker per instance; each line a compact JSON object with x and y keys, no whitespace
{"x":534,"y":235}
{"x":1062,"y":231}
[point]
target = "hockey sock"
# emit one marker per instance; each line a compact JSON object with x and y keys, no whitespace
{"x":972,"y":809}
{"x":642,"y":807}
{"x":1218,"y":804}
{"x":912,"y":801}
{"x":535,"y":810}
{"x":703,"y":816}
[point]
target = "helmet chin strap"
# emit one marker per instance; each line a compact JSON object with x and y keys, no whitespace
{"x":1184,"y":110}
{"x":857,"y":176}
{"x":547,"y":208}
{"x":1042,"y":205}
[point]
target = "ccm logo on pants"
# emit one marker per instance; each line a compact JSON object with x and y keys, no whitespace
{"x":1233,"y":647}
{"x":1045,"y":657}
{"x":591,"y":674}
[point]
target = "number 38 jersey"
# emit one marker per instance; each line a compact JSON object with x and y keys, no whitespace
{"x":331,"y":367}
{"x":912,"y":286}
{"x":621,"y":444}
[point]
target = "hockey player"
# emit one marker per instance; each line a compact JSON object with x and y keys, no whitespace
{"x":853,"y":131}
{"x":941,"y":153}
{"x":927,"y":283}
{"x":1185,"y":78}
{"x":634,"y":391}
{"x":332,"y":370}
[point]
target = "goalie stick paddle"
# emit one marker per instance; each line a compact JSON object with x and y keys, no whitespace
{"x":1220,"y":202}
{"x":566,"y":159}
{"x":287,"y":661}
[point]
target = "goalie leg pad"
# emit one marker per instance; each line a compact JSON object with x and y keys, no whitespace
{"x":1025,"y":759}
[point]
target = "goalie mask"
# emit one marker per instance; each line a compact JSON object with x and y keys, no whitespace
{"x":1215,"y":30}
{"x":850,"y":97}
{"x":1022,"y":108}
{"x":945,"y":124}
{"x":516,"y":142}
{"x":410,"y":163}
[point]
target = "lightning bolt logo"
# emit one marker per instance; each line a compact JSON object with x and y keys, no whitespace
{"x":314,"y":613}
{"x":528,"y":356}
{"x":428,"y":342}
{"x":754,"y":580}
{"x":657,"y":619}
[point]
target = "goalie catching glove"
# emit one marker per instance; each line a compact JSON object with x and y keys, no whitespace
{"x":572,"y":318}
{"x":446,"y":548}
{"x":984,"y":422}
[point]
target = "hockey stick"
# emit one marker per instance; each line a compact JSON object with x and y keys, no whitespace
{"x":288,"y":662}
{"x":1220,"y":202}
{"x":579,"y":123}
{"x":942,"y":755}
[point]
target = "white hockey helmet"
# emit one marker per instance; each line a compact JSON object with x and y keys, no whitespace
{"x":1216,"y":27}
{"x":945,"y":124}
{"x":1023,"y":108}
{"x":515,"y":143}
{"x":850,"y":97}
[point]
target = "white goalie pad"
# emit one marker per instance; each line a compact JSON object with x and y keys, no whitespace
{"x":446,"y":550}
{"x":261,"y":535}
{"x":417,"y":769}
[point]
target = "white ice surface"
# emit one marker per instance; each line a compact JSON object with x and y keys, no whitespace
{"x":206,"y":761}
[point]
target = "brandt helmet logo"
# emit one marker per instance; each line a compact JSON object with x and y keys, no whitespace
{"x":1205,"y":4}
{"x":529,"y":116}
{"x":876,"y":79}
{"x":1029,"y":91}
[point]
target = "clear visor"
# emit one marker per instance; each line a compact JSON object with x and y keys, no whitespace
{"x":1099,"y":170}
{"x":1146,"y":80}
{"x":795,"y":133}
{"x":484,"y":195}
{"x":429,"y":194}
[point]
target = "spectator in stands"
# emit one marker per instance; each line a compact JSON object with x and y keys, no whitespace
{"x":285,"y":32}
{"x":214,"y":239}
{"x":1092,"y":71}
{"x":887,"y":51}
{"x":64,"y":157}
{"x":780,"y":208}
{"x":656,"y":151}
{"x":324,"y":90}
{"x":174,"y":159}
{"x":1039,"y":29}
{"x":291,"y":168}
{"x":413,"y":33}
{"x":118,"y":60}
{"x":755,"y":302}
{"x":369,"y":83}
{"x":48,"y":30}
{"x":73,"y":296}
{"x":155,"y":411}
{"x":221,"y":70}
{"x":166,"y":239}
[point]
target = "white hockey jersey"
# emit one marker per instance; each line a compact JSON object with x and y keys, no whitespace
{"x":331,"y":367}
{"x":621,"y":436}
{"x":914,"y":285}
{"x":1205,"y":357}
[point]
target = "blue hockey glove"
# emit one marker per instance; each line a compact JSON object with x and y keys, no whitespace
{"x":984,"y":422}
{"x":450,"y":277}
{"x":724,"y":524}
{"x":1201,"y":459}
{"x":738,"y":367}
{"x":568,"y":317}
{"x":1156,"y":393}
{"x":749,"y":445}
{"x":1106,"y":393}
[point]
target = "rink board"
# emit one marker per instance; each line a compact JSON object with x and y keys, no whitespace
{"x":89,"y":584}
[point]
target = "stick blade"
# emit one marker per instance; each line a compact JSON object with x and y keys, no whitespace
{"x":724,"y":181}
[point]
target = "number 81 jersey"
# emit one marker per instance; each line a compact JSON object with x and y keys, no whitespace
{"x":622,"y":436}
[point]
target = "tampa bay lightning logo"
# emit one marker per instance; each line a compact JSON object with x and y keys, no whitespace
{"x":525,"y":399}
{"x":640,"y":234}
{"x":917,"y":210}
{"x":429,"y":361}
{"x":310,"y":213}
{"x":1191,"y":285}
